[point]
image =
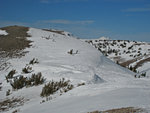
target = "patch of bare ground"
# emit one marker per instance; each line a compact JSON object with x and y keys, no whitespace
{"x":122,"y":110}
{"x":8,"y":104}
{"x":140,"y":63}
{"x":13,"y":44}
{"x":15,"y":40}
{"x":128,"y":62}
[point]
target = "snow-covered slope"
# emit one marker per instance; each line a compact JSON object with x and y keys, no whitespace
{"x":107,"y":85}
{"x":124,"y":52}
{"x":121,"y":50}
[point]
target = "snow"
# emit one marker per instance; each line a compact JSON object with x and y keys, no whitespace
{"x":107,"y":85}
{"x":104,"y":38}
{"x":104,"y":101}
{"x":145,"y":68}
{"x":96,"y":79}
{"x":3,"y":32}
{"x":118,"y":50}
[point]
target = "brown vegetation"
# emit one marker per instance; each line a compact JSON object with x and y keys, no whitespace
{"x":13,"y":44}
{"x":21,"y":81}
{"x":142,"y":62}
{"x":53,"y":87}
{"x":7,"y":104}
{"x":122,"y":110}
{"x":15,"y":40}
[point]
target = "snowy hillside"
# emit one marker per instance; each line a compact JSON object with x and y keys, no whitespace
{"x":130,"y":54}
{"x":97,"y":82}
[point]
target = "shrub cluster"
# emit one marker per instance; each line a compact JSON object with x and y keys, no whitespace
{"x":105,"y":46}
{"x":35,"y":79}
{"x":21,"y":81}
{"x":53,"y":87}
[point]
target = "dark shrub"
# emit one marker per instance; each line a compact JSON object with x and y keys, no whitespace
{"x":130,"y":47}
{"x":10,"y":74}
{"x":34,"y":61}
{"x":35,"y":79}
{"x":21,"y":81}
{"x":143,"y":74}
{"x":27,"y":69}
{"x":133,"y":69}
{"x":53,"y":87}
{"x":70,"y":52}
{"x":140,"y":49}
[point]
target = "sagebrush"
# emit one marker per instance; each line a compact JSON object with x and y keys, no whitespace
{"x":21,"y":81}
{"x":53,"y":87}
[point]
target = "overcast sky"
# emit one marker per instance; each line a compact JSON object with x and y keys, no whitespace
{"x":117,"y":19}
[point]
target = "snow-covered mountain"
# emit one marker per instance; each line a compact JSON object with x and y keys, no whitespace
{"x":98,"y":83}
{"x":104,"y":38}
